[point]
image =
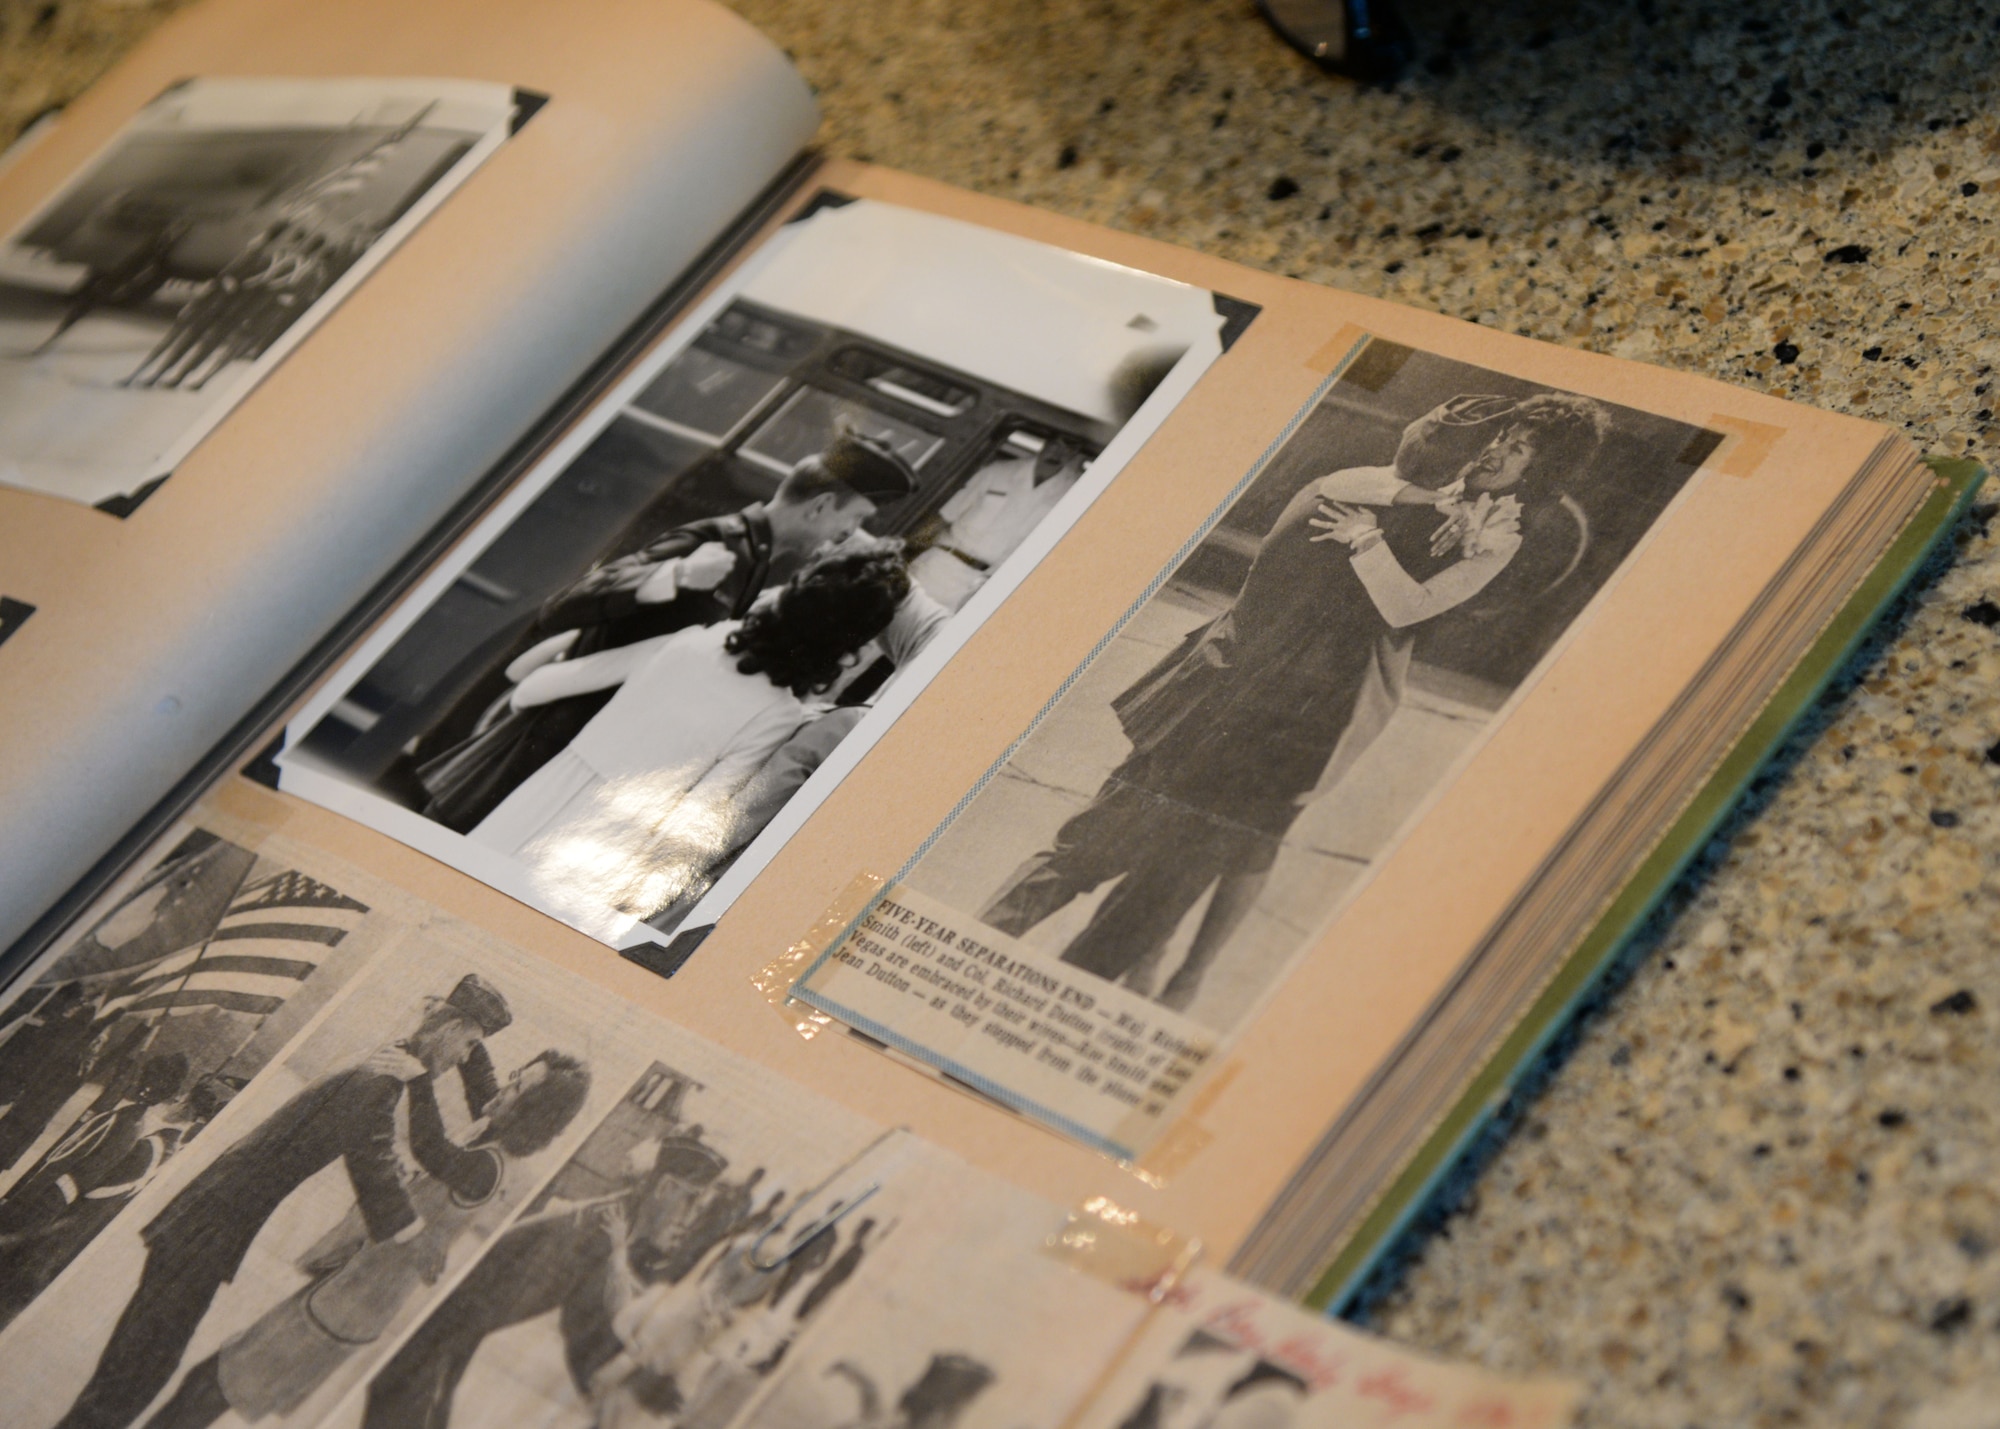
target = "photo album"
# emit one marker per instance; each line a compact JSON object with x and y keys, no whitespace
{"x":619,"y":731}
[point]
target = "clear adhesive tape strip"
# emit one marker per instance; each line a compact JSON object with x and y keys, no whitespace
{"x":1104,"y":1240}
{"x":774,"y":980}
{"x":1744,"y":446}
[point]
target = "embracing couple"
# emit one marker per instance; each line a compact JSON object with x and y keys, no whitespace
{"x":404,"y":1218}
{"x":655,"y":687}
{"x":1263,"y":709}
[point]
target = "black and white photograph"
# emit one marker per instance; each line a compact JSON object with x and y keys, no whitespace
{"x":147,"y":298}
{"x":1230,"y":767}
{"x":630,"y":685}
{"x":959,"y":1330}
{"x":664,"y":1272}
{"x":1209,"y":1383}
{"x":1219,"y":1354}
{"x":262,"y":1277}
{"x":123,"y":1050}
{"x":1235,"y":758}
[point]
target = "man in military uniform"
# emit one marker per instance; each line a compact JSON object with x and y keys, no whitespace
{"x":560,"y":1260}
{"x":197,"y":1243}
{"x":1233,"y":730}
{"x":85,"y":1181}
{"x":698,"y":574}
{"x":42,"y":1064}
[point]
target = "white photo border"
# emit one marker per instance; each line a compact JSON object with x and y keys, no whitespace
{"x":298,"y":775}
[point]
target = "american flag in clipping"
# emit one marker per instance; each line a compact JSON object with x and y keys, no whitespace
{"x":270,"y":938}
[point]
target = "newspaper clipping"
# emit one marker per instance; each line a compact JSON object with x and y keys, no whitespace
{"x":1220,"y":1355}
{"x":967,"y":1321}
{"x":364,"y":1167}
{"x":1129,"y":885}
{"x":147,"y":1025}
{"x":666,"y":1269}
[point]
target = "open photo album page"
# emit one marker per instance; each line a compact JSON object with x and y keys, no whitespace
{"x":1125,"y":888}
{"x":646,"y":668}
{"x":147,"y":298}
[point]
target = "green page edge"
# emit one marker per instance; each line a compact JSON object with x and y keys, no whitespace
{"x":1959,"y":483}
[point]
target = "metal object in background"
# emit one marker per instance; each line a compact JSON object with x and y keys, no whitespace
{"x":1365,"y":39}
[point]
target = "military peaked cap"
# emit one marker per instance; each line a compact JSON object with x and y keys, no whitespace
{"x":481,"y":1003}
{"x":868,"y":466}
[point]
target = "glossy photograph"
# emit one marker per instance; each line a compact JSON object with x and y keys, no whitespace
{"x":146,"y":299}
{"x":683,"y":627}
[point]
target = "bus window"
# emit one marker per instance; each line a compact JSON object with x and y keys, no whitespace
{"x":1023,"y":477}
{"x":810,"y":418}
{"x":926,"y":391}
{"x":760,"y":332}
{"x":703,"y":395}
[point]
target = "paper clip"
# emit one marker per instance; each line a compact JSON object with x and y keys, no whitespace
{"x":835,"y":1213}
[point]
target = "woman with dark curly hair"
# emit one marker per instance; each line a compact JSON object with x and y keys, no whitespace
{"x":1259,"y":711}
{"x":360,"y":1288}
{"x":641,"y":800}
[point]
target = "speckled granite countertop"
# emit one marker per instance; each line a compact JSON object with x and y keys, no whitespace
{"x":1763,"y":1185}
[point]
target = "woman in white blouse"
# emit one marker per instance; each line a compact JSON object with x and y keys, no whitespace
{"x":641,"y":800}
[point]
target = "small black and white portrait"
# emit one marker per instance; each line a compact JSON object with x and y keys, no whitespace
{"x":781,"y":524}
{"x":1233,"y":762}
{"x":1211,"y":1384}
{"x":151,"y":293}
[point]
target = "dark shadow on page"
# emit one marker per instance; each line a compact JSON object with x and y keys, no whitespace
{"x":1457,"y":1191}
{"x":13,"y":615}
{"x":264,"y":768}
{"x":527,"y":104}
{"x":1236,"y":316}
{"x":964,"y":1086}
{"x":666,"y":959}
{"x":123,"y":506}
{"x":824,"y":199}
